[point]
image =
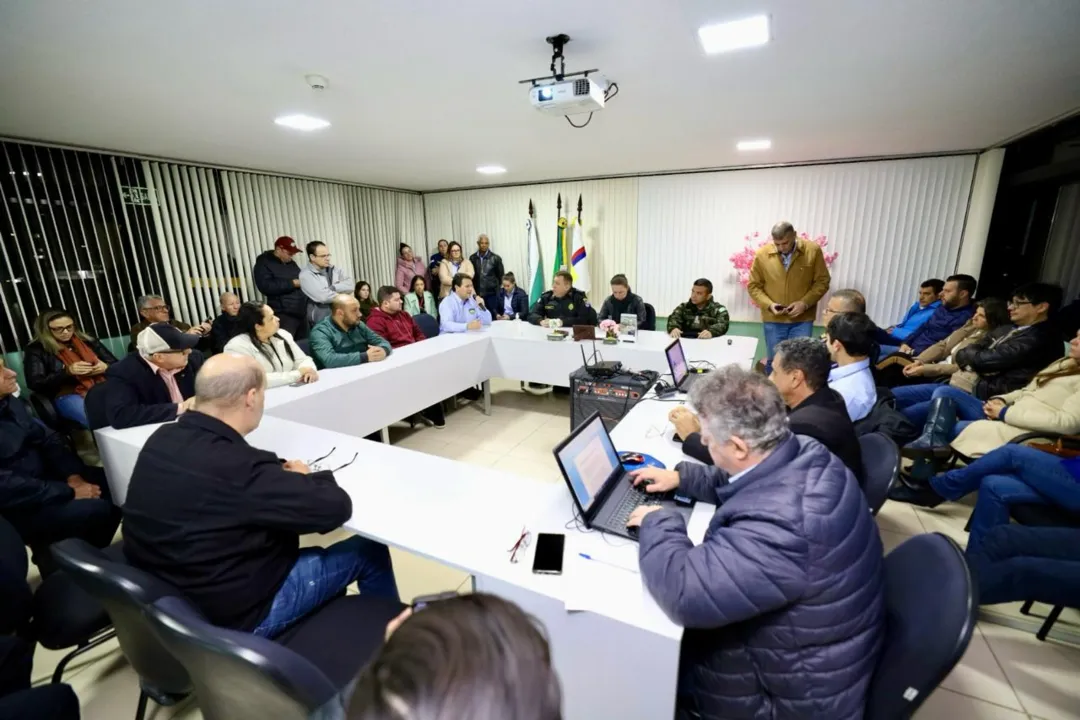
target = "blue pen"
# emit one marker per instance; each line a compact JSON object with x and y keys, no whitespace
{"x":609,"y":564}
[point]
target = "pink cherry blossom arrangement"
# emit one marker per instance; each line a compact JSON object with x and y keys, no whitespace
{"x":743,"y":259}
{"x":609,"y":326}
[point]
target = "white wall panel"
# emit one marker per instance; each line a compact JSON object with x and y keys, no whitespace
{"x":609,"y":215}
{"x":894,"y":223}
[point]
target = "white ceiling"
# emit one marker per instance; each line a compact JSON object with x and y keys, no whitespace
{"x":423,"y":91}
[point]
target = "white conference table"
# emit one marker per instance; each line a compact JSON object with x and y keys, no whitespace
{"x":467,"y":516}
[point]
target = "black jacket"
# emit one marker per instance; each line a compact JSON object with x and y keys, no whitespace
{"x":489,"y":273}
{"x":220,"y":519}
{"x":35,"y":462}
{"x":275,"y":280}
{"x":822,"y":416}
{"x":1009,"y":363}
{"x":224,"y":328}
{"x":46,"y":374}
{"x":572,"y":308}
{"x":613,"y":309}
{"x":137,"y":396}
{"x":433,"y":274}
{"x":519,"y":301}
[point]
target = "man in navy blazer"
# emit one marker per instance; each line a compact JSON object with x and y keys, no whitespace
{"x":156,"y":383}
{"x":511,"y":302}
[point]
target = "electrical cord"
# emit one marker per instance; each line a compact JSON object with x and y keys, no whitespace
{"x":612,"y":91}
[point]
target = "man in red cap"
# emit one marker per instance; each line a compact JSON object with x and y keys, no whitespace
{"x":278,"y":278}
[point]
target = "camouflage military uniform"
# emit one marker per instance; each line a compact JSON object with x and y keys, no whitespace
{"x":691,"y":319}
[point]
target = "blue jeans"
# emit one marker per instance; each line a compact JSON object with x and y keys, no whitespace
{"x":72,"y":407}
{"x":321,"y":574}
{"x":1010,"y":475}
{"x":1014,"y":562}
{"x":776,"y":332}
{"x":914,"y":402}
{"x":887,"y":350}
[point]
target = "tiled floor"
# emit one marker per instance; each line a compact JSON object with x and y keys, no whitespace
{"x":1006,"y":674}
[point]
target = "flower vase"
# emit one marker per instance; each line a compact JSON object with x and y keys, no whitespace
{"x":611,"y":339}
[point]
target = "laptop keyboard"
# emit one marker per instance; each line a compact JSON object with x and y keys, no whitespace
{"x":633,"y":500}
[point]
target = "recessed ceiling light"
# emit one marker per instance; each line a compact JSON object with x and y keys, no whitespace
{"x":734,"y":35}
{"x":302,"y":122}
{"x":753,"y":144}
{"x":490,"y":169}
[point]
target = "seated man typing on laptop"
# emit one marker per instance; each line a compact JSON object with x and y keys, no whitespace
{"x":783,"y":602}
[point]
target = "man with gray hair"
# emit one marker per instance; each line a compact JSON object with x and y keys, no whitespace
{"x":783,"y":601}
{"x":153,"y":309}
{"x":226,"y":326}
{"x":221,"y":520}
{"x":787,"y":278}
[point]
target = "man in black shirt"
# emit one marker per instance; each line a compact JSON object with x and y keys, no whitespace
{"x":489,"y":272}
{"x":46,"y":492}
{"x":801,"y":374}
{"x":563,"y":302}
{"x":221,"y":520}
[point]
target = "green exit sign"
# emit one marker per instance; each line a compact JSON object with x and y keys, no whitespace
{"x":136,"y":195}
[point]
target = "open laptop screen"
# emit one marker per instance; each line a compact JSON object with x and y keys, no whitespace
{"x":677,"y":362}
{"x":588,"y":460}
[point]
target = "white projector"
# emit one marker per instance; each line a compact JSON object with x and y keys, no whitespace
{"x":570,"y":97}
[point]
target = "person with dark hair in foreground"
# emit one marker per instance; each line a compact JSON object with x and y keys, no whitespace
{"x":700,"y":316}
{"x":784,"y":600}
{"x":849,"y":338}
{"x":474,"y":656}
{"x":801,"y":374}
{"x":221,"y":520}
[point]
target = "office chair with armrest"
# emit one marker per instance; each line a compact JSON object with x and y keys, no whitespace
{"x":880,"y":468}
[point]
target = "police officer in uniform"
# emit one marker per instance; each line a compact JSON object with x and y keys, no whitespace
{"x":563,"y":302}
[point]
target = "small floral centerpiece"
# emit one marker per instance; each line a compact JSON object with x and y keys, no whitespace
{"x":611,"y":331}
{"x":744,"y":259}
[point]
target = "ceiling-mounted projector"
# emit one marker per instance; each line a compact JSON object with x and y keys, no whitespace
{"x":563,"y":93}
{"x":570,"y":97}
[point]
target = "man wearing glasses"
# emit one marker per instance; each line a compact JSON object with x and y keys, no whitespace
{"x":1003,"y":363}
{"x":155,"y":384}
{"x":221,"y":520}
{"x":321,"y":282}
{"x":153,"y":309}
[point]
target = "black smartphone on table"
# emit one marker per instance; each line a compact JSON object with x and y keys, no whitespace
{"x":548,"y":559}
{"x":422,"y":601}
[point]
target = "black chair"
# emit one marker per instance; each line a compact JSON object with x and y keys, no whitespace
{"x":94,"y":403}
{"x":308,"y":665}
{"x":125,"y":592}
{"x":930,"y":613}
{"x":880,"y":468}
{"x":428,"y":325}
{"x":650,"y":318}
{"x":238,"y":675}
{"x":305,"y":346}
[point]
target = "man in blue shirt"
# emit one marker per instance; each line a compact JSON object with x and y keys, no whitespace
{"x":956,"y":309}
{"x":849,"y":338}
{"x":461,"y":310}
{"x":915,"y":318}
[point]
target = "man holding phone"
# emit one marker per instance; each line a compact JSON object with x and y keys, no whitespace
{"x":787,"y":279}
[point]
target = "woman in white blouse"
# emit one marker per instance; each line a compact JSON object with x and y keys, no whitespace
{"x":262,"y":338}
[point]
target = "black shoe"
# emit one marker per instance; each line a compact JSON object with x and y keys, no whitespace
{"x":921,"y":496}
{"x":434,"y":416}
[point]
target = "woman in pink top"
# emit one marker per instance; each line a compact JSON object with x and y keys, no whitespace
{"x":408,"y":266}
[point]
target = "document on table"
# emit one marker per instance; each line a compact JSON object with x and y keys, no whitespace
{"x":599,"y":583}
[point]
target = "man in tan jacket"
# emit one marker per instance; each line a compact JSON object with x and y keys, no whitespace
{"x":787,"y":279}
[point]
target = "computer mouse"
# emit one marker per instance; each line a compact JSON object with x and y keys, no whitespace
{"x":631,"y":458}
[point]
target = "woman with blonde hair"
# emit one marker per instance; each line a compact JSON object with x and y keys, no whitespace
{"x":453,"y":264}
{"x":63,"y":363}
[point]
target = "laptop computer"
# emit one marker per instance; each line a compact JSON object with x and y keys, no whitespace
{"x":601,"y":487}
{"x":681,"y":375}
